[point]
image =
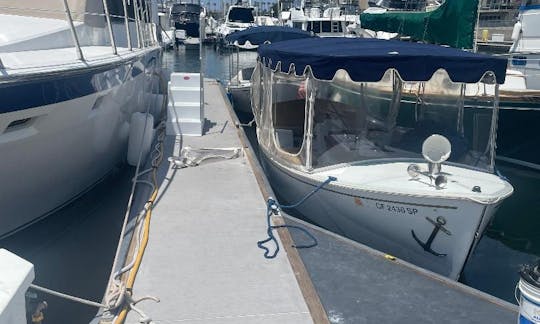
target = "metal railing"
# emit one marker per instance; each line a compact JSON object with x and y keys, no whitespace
{"x":145,"y":32}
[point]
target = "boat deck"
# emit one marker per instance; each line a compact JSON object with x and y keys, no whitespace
{"x":203,"y":263}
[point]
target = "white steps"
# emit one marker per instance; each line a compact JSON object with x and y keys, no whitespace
{"x":185,"y":112}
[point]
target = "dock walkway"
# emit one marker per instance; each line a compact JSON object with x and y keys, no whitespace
{"x":202,"y":260}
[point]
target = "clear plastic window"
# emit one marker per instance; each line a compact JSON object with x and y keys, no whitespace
{"x":288,"y":112}
{"x":315,"y":123}
{"x":391,"y":119}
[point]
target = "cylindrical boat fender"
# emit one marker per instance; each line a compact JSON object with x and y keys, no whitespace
{"x":516,"y":31}
{"x":141,"y":133}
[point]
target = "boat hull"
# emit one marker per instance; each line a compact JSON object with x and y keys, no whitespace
{"x":241,"y":98}
{"x":385,"y":221}
{"x":73,"y":139}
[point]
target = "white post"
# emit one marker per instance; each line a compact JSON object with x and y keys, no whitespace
{"x":201,"y":31}
{"x":16,"y":275}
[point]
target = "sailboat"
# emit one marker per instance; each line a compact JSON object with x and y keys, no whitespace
{"x":72,"y":74}
{"x":415,"y":180}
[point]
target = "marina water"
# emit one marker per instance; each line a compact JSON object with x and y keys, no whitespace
{"x":73,"y":249}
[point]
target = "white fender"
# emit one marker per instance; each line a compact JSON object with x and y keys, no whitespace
{"x":141,"y":133}
{"x":516,"y":31}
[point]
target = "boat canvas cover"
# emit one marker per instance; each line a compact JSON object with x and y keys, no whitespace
{"x":452,"y":24}
{"x":261,"y":34}
{"x":367,"y":60}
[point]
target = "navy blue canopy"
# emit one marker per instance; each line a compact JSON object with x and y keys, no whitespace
{"x":260,"y":34}
{"x":367,"y":59}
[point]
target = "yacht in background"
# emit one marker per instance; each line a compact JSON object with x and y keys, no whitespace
{"x":525,"y":50}
{"x":69,"y":84}
{"x":238,"y":17}
{"x":266,"y":21}
{"x":331,"y":22}
{"x":185,"y":17}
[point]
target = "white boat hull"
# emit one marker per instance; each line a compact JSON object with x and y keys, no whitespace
{"x":385,"y":221}
{"x":68,"y":146}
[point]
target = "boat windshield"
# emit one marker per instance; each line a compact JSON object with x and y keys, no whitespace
{"x":241,"y":15}
{"x":360,"y":122}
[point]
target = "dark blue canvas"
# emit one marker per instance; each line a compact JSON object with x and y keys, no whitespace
{"x":368,"y":59}
{"x":260,"y":34}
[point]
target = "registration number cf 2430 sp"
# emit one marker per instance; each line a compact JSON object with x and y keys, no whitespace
{"x":396,"y":209}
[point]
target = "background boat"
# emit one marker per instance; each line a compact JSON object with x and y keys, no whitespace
{"x":240,"y":84}
{"x":185,"y":17}
{"x":238,"y":18}
{"x":454,"y":24}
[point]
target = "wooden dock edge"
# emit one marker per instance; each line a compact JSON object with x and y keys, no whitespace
{"x":313,"y":302}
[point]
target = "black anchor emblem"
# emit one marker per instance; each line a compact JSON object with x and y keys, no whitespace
{"x":439,"y":226}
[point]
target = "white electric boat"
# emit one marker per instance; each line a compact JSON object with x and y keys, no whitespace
{"x":415,"y":180}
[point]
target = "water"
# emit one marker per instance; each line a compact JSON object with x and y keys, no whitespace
{"x":73,"y":249}
{"x":511,"y":240}
{"x":218,"y":63}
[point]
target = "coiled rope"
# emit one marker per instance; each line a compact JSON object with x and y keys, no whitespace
{"x":273,"y":208}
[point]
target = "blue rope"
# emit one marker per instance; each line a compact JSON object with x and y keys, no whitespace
{"x":272,"y":208}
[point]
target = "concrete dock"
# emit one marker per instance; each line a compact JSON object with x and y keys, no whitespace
{"x":202,"y":260}
{"x":203,"y":263}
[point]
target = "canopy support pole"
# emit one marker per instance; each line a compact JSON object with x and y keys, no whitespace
{"x":494,"y":120}
{"x":461,"y":108}
{"x":310,"y":106}
{"x":397,"y":87}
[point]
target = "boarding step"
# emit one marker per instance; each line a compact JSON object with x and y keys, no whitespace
{"x":184,"y":112}
{"x":186,"y":80}
{"x":179,"y":104}
{"x":177,"y":94}
{"x":185,"y":127}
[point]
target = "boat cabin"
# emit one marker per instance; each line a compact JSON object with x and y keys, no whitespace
{"x":242,"y":15}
